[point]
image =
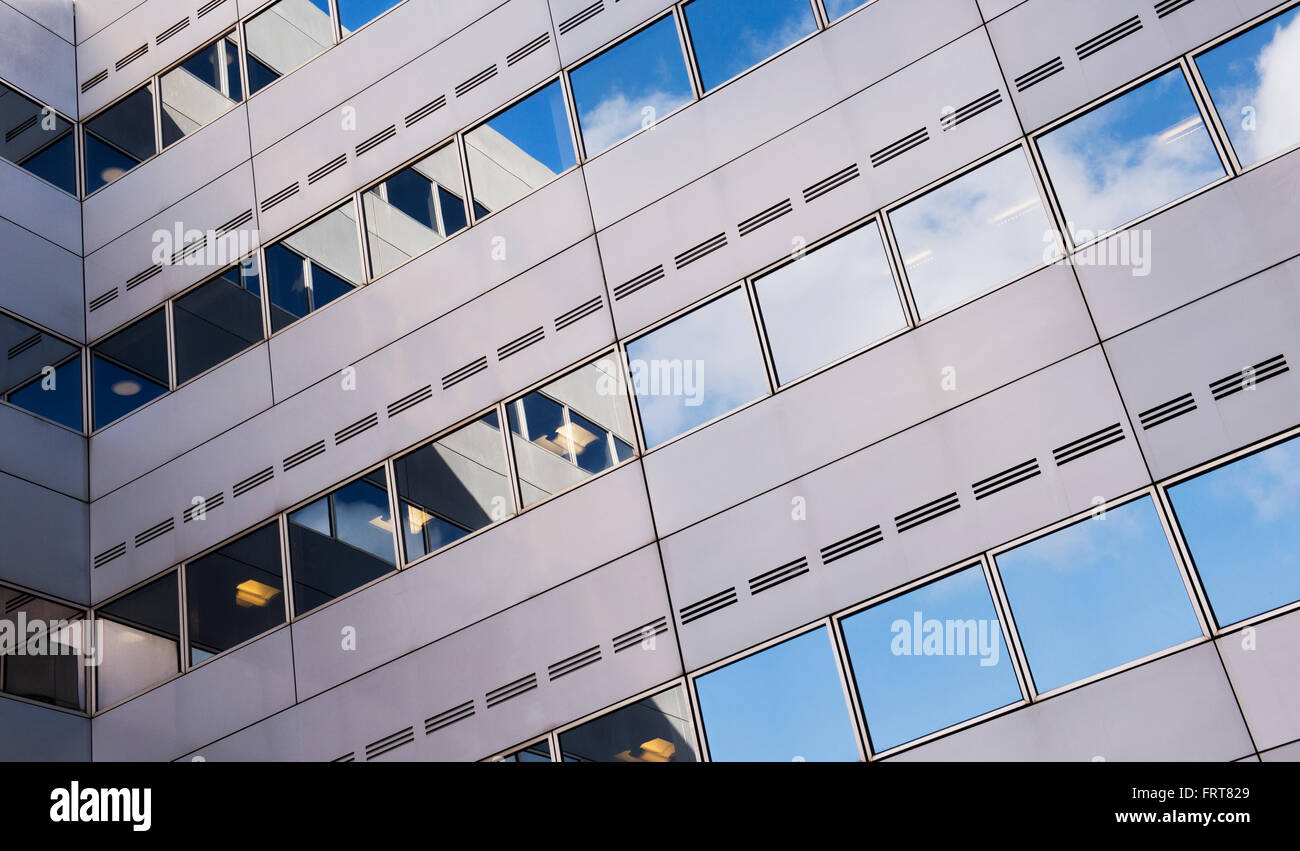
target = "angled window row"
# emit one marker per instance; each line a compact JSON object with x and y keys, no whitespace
{"x":41,"y":372}
{"x":475,"y":475}
{"x":1084,"y":599}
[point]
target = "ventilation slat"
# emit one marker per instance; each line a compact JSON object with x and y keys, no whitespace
{"x":1115,"y":34}
{"x":831,"y":183}
{"x":902,"y":146}
{"x":707,"y":606}
{"x":448,"y":717}
{"x":852,"y":544}
{"x":113,"y":552}
{"x":140,"y":277}
{"x":350,"y":431}
{"x":172,"y":30}
{"x":469,"y":370}
{"x":528,"y":49}
{"x":378,"y":139}
{"x":93,"y":81}
{"x":778,"y":575}
{"x":966,"y":113}
{"x":576,"y":662}
{"x":1249,"y":376}
{"x":641,"y":281}
{"x":511,"y":690}
{"x":280,"y":197}
{"x":23,"y":345}
{"x":425,"y":111}
{"x":1168,"y":7}
{"x":766,"y":217}
{"x":1034,"y":76}
{"x":1088,"y":444}
{"x":1167,"y":411}
{"x":155,"y":531}
{"x":925,"y":513}
{"x":700,"y":251}
{"x":1014,"y":475}
{"x":131,"y":57}
{"x":259,"y":478}
{"x":304,"y":455}
{"x":328,"y":168}
{"x":477,"y":80}
{"x":634,"y":637}
{"x":99,"y":301}
{"x":581,"y":17}
{"x":582,"y":311}
{"x":390,"y":743}
{"x":209,"y":504}
{"x":410,"y":400}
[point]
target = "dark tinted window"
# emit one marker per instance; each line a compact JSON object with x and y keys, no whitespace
{"x":41,"y":373}
{"x":38,"y":139}
{"x":42,"y":661}
{"x":216,"y":321}
{"x":129,"y":368}
{"x":235,"y":593}
{"x":656,"y":729}
{"x":141,"y":640}
{"x":310,"y":268}
{"x":119,"y":138}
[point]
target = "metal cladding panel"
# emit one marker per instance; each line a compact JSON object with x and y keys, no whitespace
{"x":1034,"y":34}
{"x":93,"y":17}
{"x":386,"y":104}
{"x":1179,"y":708}
{"x":841,"y":518}
{"x":57,"y":303}
{"x":38,"y":61}
{"x":59,"y":462}
{"x":321,"y":412}
{"x":527,"y":555}
{"x":54,"y":15}
{"x":142,"y":26}
{"x":556,"y":268}
{"x":224,"y":200}
{"x":47,"y":734}
{"x":527,"y":639}
{"x":839,"y":138}
{"x":357,"y":65}
{"x":1265,"y":673}
{"x":591,"y":24}
{"x":153,"y":186}
{"x":222,"y":696}
{"x":1207,"y":242}
{"x":44,"y":540}
{"x":45,"y":211}
{"x":1036,"y":321}
{"x":865,"y":48}
{"x":1210,"y":347}
{"x":177,"y":422}
{"x":990,"y":9}
{"x":1286,"y":753}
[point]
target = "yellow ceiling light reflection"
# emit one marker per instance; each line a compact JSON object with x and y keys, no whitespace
{"x":1179,"y":130}
{"x":251,"y":593}
{"x":655,"y":750}
{"x":577,"y":435}
{"x":918,"y":258}
{"x":1013,"y":212}
{"x":416,"y":518}
{"x":382,"y":522}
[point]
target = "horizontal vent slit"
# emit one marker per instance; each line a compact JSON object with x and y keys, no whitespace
{"x":94,"y":81}
{"x":576,"y":662}
{"x":707,"y":606}
{"x":827,"y":184}
{"x":470,"y":369}
{"x":529,"y":48}
{"x":390,"y":743}
{"x":154,"y":532}
{"x":283,"y":195}
{"x":131,"y":57}
{"x":140,"y":277}
{"x":634,"y":637}
{"x":1167,"y":411}
{"x":1100,"y":42}
{"x":378,"y":139}
{"x":581,"y":17}
{"x":582,"y":311}
{"x":704,"y":249}
{"x":109,"y":554}
{"x":304,"y":455}
{"x":477,"y":80}
{"x":925,"y":513}
{"x":347,"y":757}
{"x":1248,"y":377}
{"x":645,"y":279}
{"x":518,"y":344}
{"x":766,"y":217}
{"x":1088,"y":444}
{"x":23,"y":345}
{"x":511,"y":690}
{"x":850,"y":545}
{"x":348,"y":432}
{"x":425,"y":111}
{"x":329,"y":168}
{"x":1009,"y":477}
{"x":99,"y":301}
{"x":902,"y":146}
{"x":258,"y":478}
{"x":972,"y":109}
{"x":172,"y":30}
{"x":237,"y":222}
{"x":1168,"y":7}
{"x":449,"y":717}
{"x":1035,"y":76}
{"x":208,"y":504}
{"x":208,"y":7}
{"x":410,"y":400}
{"x":777,"y":575}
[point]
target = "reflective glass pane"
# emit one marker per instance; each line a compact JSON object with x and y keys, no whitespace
{"x":141,"y":641}
{"x":340,"y":542}
{"x":311,"y":268}
{"x":235,"y":593}
{"x":829,"y":303}
{"x":570,"y":430}
{"x":119,"y":138}
{"x":1097,"y":594}
{"x":783,"y":704}
{"x":284,"y":37}
{"x":1129,"y":156}
{"x":630,"y":86}
{"x":929,"y":659}
{"x":656,"y":729}
{"x":41,"y":643}
{"x":415,"y":209}
{"x":839,"y":8}
{"x":520,"y":149}
{"x":217,"y":321}
{"x":355,"y":14}
{"x":38,"y":139}
{"x":697,"y":367}
{"x":536,"y":752}
{"x":1242,"y":525}
{"x":1252,"y":80}
{"x":452,"y":486}
{"x":129,"y":368}
{"x":41,"y":373}
{"x":732,"y":36}
{"x":200,"y":89}
{"x":966,"y":237}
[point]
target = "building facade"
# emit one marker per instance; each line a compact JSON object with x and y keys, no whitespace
{"x":644,"y":381}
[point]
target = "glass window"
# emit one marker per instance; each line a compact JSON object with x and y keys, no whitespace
{"x":235,"y":593}
{"x":1129,"y":156}
{"x":119,"y":138}
{"x":216,"y":321}
{"x":570,"y":430}
{"x":200,"y":89}
{"x":1096,"y":595}
{"x":311,"y":268}
{"x":341,"y":541}
{"x":284,"y":37}
{"x":453,"y":486}
{"x":840,"y":8}
{"x":978,"y":231}
{"x":929,"y":659}
{"x":630,"y":86}
{"x":415,"y":209}
{"x":536,"y":752}
{"x":786,"y":703}
{"x":140,"y":641}
{"x":1252,"y":80}
{"x":38,"y":139}
{"x":732,"y":36}
{"x":828,"y":303}
{"x":129,"y":368}
{"x":518,"y":150}
{"x":673,"y":392}
{"x":1242,"y":525}
{"x":41,"y":373}
{"x":656,"y":729}
{"x":355,"y":14}
{"x":40,"y":650}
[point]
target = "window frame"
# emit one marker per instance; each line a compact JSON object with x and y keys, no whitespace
{"x":86,"y":673}
{"x":819,"y":25}
{"x":74,"y":127}
{"x":81,"y":350}
{"x":181,"y":636}
{"x":558,"y":756}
